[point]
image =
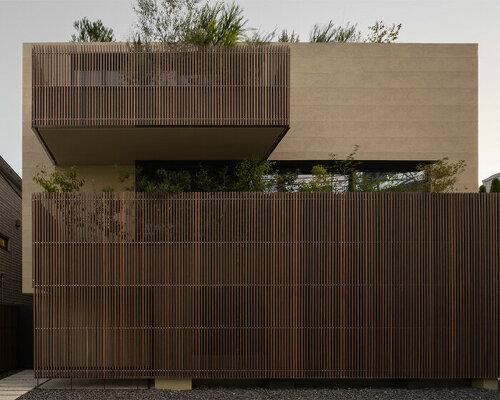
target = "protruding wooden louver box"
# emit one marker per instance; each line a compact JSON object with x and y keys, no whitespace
{"x":81,"y":89}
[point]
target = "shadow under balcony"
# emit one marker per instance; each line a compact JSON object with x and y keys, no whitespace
{"x":110,"y":103}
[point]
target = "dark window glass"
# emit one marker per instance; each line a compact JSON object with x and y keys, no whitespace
{"x":3,"y":242}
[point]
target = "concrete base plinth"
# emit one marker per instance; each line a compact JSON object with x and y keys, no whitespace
{"x":173,"y":384}
{"x":490,"y":384}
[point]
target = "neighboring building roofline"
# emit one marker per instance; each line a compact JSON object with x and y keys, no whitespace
{"x":12,"y":178}
{"x":490,"y":178}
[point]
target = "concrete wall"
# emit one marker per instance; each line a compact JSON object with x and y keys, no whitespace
{"x":396,"y":101}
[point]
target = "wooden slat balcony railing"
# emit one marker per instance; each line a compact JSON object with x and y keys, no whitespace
{"x":255,"y":285}
{"x":85,"y":85}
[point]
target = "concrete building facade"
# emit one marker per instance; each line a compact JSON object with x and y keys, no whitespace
{"x":99,"y":106}
{"x":414,"y":102}
{"x":402,"y":104}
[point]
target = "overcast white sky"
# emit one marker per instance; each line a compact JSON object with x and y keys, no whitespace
{"x":439,"y":21}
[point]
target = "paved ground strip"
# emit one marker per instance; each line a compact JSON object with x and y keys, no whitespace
{"x":16,"y":385}
{"x":115,"y":384}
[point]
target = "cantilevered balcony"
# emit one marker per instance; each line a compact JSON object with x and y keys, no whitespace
{"x":159,"y":102}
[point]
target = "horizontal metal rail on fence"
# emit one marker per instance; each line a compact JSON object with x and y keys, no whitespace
{"x":259,"y":285}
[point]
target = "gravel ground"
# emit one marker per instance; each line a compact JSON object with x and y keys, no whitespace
{"x":289,"y":394}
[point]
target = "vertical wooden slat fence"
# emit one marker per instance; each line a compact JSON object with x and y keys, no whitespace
{"x":256,"y":285}
{"x":91,"y":85}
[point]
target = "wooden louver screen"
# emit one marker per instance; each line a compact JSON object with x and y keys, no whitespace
{"x":118,"y":85}
{"x":255,"y":285}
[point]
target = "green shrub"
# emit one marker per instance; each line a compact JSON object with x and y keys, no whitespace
{"x":495,"y":186}
{"x":441,"y":175}
{"x":253,"y":176}
{"x":59,"y":181}
{"x":321,"y":181}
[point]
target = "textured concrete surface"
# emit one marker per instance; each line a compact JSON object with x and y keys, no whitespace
{"x":397,"y":101}
{"x":68,"y":384}
{"x":491,"y":384}
{"x":173,"y":384}
{"x":16,"y":385}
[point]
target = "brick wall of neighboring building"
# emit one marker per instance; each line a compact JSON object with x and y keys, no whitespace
{"x":10,"y":259}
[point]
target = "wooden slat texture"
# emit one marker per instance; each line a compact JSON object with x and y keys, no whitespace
{"x":276,"y":285}
{"x":82,"y":85}
{"x":8,"y":340}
